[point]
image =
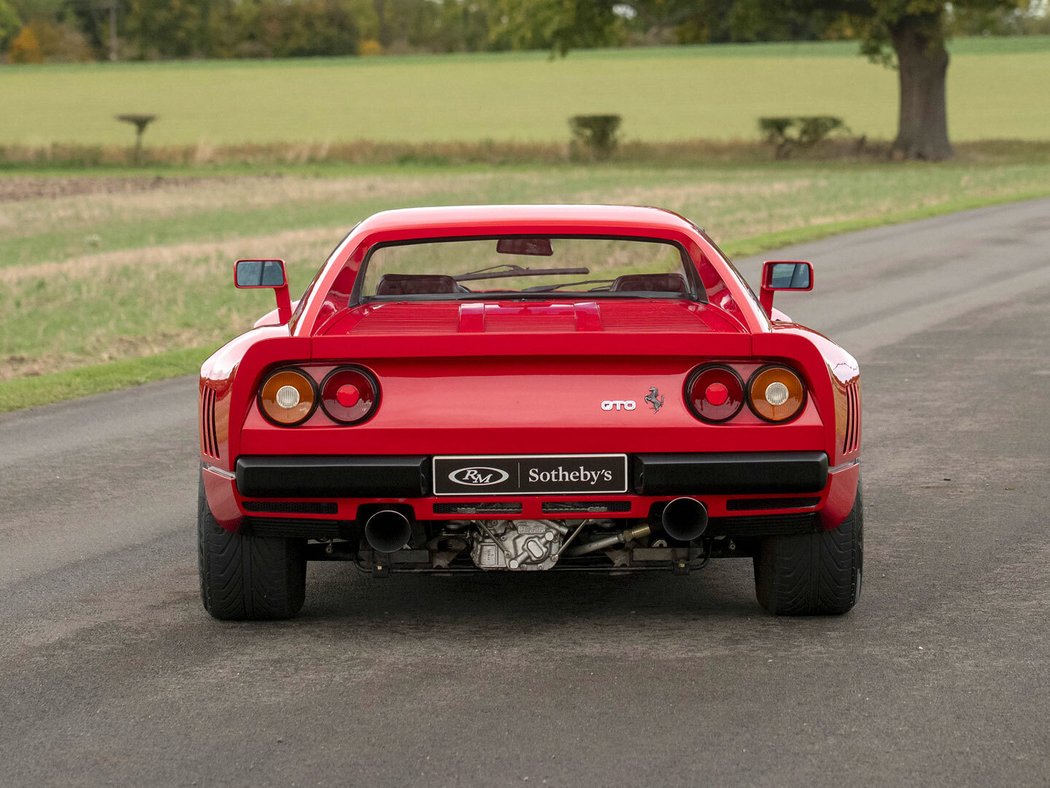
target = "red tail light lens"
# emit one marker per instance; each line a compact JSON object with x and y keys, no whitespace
{"x":288,"y":397}
{"x":776,"y":393}
{"x":349,"y":395}
{"x":715,"y":393}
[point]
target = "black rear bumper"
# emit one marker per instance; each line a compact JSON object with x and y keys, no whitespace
{"x":730,"y":473}
{"x":651,"y":474}
{"x":333,"y":477}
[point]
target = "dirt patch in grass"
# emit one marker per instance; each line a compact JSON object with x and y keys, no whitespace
{"x":17,"y":366}
{"x":95,"y":266}
{"x":35,"y":205}
{"x":685,"y":152}
{"x":679,"y":195}
{"x":17,"y":188}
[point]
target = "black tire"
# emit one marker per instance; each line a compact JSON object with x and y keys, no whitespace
{"x":813,"y":574}
{"x":246,"y":577}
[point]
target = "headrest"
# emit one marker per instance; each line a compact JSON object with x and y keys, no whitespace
{"x":655,"y":283}
{"x":415,"y":284}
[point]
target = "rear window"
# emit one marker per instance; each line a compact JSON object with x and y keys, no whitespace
{"x":534,"y":266}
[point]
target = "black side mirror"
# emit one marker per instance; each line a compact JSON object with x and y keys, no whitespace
{"x":265,"y":273}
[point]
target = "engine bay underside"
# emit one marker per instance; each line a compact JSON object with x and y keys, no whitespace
{"x":679,"y":537}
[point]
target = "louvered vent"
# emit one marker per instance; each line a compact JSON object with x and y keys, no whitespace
{"x":478,"y":507}
{"x":209,"y":439}
{"x":292,"y":507}
{"x":852,"y":440}
{"x":554,"y":507}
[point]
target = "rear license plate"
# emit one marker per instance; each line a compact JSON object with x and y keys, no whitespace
{"x":530,"y":474}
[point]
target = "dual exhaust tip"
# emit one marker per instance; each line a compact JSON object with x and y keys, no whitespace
{"x":387,"y":531}
{"x":683,"y":519}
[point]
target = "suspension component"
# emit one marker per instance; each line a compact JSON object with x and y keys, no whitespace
{"x":638,"y":532}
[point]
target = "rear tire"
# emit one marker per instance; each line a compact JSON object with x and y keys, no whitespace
{"x":246,"y":577}
{"x":813,"y":574}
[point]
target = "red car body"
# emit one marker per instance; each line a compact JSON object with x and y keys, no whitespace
{"x":490,"y":378}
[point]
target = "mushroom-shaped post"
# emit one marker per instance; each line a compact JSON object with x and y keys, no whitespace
{"x":140,"y":122}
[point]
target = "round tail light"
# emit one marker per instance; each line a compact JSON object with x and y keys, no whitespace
{"x":288,"y":397}
{"x":776,"y":393}
{"x":349,"y":395}
{"x":715,"y":393}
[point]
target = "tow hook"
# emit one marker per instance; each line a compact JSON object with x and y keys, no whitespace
{"x":380,"y":568}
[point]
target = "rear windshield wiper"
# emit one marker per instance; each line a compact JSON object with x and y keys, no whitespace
{"x":511,"y":270}
{"x":554,"y":295}
{"x":552,"y":288}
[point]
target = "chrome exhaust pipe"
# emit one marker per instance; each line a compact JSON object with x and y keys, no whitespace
{"x":639,"y":532}
{"x":684,"y":519}
{"x":387,"y":531}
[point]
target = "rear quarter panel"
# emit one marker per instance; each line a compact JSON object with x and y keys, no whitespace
{"x":835,"y":374}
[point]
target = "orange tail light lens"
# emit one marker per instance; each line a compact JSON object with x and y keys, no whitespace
{"x":288,"y":397}
{"x":776,"y":393}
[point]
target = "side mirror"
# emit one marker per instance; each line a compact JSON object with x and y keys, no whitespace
{"x":265,"y":273}
{"x":784,"y":275}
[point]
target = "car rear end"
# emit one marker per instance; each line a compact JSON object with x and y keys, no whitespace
{"x":590,"y":434}
{"x":607,"y":397}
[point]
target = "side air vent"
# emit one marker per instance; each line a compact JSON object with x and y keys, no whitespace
{"x":478,"y":507}
{"x":851,"y":442}
{"x":758,"y":504}
{"x":763,"y":525}
{"x":292,"y":507}
{"x":209,"y":440}
{"x":296,"y":529}
{"x":556,"y":507}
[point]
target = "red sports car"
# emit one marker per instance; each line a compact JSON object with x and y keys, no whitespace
{"x":529,"y":388}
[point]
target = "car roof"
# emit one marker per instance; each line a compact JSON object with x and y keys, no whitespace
{"x":506,"y":218}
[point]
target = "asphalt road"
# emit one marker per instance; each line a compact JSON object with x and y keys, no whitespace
{"x":110,"y":672}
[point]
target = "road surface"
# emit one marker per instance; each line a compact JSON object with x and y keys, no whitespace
{"x":110,"y":672}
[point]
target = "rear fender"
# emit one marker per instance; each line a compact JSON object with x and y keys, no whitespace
{"x":235,"y":372}
{"x":799,"y":350}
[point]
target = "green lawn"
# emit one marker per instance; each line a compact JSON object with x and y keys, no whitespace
{"x":996,"y":88}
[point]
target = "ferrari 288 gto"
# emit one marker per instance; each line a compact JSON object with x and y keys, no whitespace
{"x":528,"y":389}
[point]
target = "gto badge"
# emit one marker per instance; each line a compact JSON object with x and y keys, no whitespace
{"x":478,"y":477}
{"x":654,"y":399}
{"x":619,"y":404}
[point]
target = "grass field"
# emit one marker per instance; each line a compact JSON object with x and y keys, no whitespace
{"x":120,"y":279}
{"x":997,"y":89}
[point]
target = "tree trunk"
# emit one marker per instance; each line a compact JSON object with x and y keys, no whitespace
{"x":383,"y":30}
{"x":922,"y":58}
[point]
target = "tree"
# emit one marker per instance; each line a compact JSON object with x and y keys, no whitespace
{"x":44,"y":40}
{"x":916,"y":31}
{"x":168,"y":28}
{"x":918,"y":39}
{"x":722,"y":21}
{"x":94,"y":19}
{"x":25,"y":48}
{"x":10,"y":24}
{"x":558,"y":25}
{"x":307,"y":28}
